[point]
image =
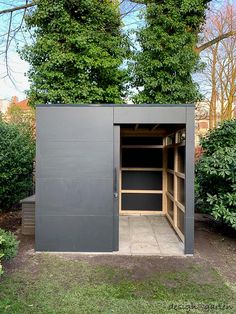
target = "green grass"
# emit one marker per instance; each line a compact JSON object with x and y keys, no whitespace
{"x":55,"y":285}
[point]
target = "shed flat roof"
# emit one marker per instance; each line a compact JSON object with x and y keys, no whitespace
{"x":116,"y":105}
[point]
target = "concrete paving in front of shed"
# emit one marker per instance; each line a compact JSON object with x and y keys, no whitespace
{"x":148,"y":235}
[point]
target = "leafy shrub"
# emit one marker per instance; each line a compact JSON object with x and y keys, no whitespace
{"x":8,"y":245}
{"x":16,"y":164}
{"x":216,"y":174}
{"x":1,"y":254}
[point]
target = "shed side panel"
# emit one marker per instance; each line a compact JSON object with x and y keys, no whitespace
{"x":149,"y":114}
{"x":74,"y":179}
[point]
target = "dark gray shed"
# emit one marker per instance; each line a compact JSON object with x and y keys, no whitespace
{"x":97,"y":162}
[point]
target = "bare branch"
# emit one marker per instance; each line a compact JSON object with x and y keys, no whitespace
{"x":22,"y":7}
{"x":215,"y":41}
{"x":8,"y":43}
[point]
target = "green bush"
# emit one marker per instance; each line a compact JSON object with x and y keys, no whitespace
{"x":8,"y":245}
{"x":16,"y":164}
{"x":216,"y":174}
{"x":1,"y":254}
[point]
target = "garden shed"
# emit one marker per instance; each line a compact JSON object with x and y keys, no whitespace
{"x":98,"y":163}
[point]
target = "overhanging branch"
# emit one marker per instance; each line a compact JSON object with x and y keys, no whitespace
{"x":21,"y":7}
{"x":215,"y":41}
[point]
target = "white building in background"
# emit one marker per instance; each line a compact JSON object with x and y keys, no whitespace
{"x":4,"y":104}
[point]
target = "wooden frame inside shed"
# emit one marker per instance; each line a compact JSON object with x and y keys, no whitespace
{"x":152,"y":172}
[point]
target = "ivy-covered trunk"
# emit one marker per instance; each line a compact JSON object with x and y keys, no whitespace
{"x":163,"y":67}
{"x":77,"y":53}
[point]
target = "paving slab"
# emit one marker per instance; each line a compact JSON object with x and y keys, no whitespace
{"x":148,"y":235}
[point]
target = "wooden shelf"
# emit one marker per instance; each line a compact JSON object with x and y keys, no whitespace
{"x":171,"y":197}
{"x":142,"y":191}
{"x":179,"y":233}
{"x":140,"y":169}
{"x":170,"y":219}
{"x":177,"y":203}
{"x":177,"y":173}
{"x":125,"y":212}
{"x":181,"y":206}
{"x":142,"y":146}
{"x":175,"y":145}
{"x":180,"y":174}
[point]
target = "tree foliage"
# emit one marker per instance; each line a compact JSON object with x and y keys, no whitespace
{"x":23,"y":118}
{"x":16,"y":164}
{"x":162,"y":69}
{"x":78,"y":52}
{"x":216,"y":174}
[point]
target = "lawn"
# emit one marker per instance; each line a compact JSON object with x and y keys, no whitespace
{"x":56,"y":284}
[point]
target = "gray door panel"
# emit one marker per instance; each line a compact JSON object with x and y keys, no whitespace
{"x":74,"y":179}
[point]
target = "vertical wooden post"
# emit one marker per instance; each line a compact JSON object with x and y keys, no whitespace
{"x":175,"y":181}
{"x":164,"y":177}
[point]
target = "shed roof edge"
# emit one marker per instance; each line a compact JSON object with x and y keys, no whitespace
{"x":118,"y":105}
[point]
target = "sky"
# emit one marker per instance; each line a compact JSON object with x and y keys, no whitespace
{"x":18,"y":83}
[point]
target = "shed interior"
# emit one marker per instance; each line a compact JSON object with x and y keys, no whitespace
{"x":152,"y":172}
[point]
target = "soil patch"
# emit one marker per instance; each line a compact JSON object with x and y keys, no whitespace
{"x":10,"y":220}
{"x":216,"y":244}
{"x":212,"y":248}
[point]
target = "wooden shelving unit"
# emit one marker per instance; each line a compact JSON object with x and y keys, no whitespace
{"x":140,"y":189}
{"x":175,"y":195}
{"x":137,"y":181}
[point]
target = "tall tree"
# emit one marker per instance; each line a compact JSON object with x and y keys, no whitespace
{"x":78,"y":52}
{"x":168,"y":56}
{"x":12,"y":19}
{"x":220,"y":60}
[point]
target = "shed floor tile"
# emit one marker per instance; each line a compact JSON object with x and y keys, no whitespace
{"x":148,"y":235}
